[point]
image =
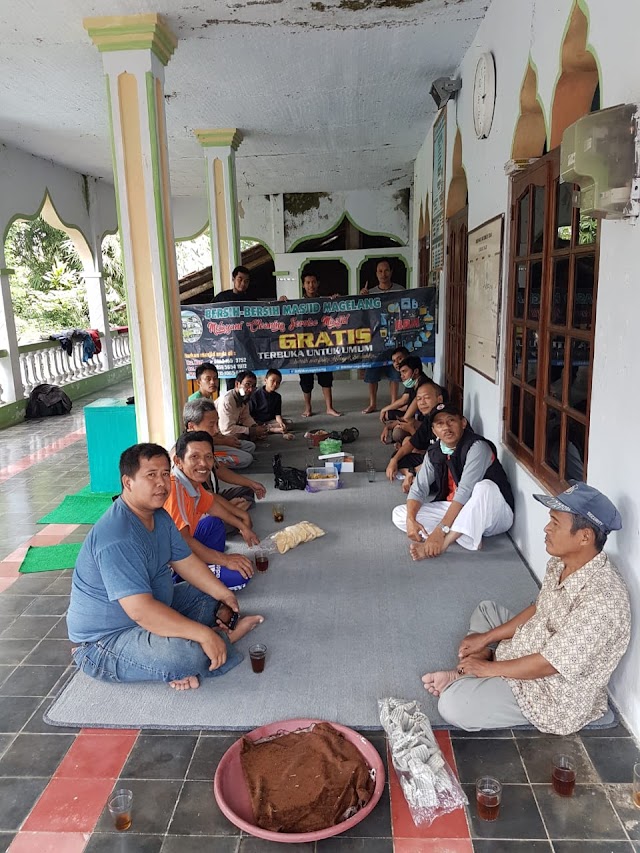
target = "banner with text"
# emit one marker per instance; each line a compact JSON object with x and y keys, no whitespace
{"x":305,"y":335}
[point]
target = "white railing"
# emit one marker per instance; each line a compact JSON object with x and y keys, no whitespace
{"x":48,"y":362}
{"x":120,"y":348}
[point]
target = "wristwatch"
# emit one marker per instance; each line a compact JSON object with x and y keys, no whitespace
{"x":445,"y":528}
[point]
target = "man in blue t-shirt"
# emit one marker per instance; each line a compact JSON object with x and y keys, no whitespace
{"x":129,"y":620}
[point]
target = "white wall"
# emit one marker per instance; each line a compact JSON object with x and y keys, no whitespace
{"x":383,"y":211}
{"x":513,"y":32}
{"x":24,"y":180}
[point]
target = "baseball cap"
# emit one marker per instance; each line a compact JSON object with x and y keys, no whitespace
{"x":446,"y":409}
{"x":581,"y":499}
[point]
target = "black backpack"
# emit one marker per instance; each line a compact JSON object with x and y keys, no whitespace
{"x":46,"y":400}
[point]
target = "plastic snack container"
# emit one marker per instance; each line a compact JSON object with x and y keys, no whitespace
{"x":321,"y":480}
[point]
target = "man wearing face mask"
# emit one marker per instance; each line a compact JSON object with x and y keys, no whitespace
{"x":399,"y":417}
{"x":461,"y":492}
{"x":233,"y":411}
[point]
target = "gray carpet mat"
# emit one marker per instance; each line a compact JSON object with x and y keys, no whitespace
{"x":349,"y":618}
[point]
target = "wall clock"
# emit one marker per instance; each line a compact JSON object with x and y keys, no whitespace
{"x":484,"y":95}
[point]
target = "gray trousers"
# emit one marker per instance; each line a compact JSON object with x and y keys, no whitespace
{"x":482,"y":703}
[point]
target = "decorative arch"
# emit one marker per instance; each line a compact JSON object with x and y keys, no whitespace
{"x":579,"y":77}
{"x":458,"y":194}
{"x":50,"y":215}
{"x":530,"y":134}
{"x":297,"y":245}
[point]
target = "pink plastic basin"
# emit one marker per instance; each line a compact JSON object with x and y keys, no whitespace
{"x":232,"y":796}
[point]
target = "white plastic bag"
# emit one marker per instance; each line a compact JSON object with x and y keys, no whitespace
{"x":428,"y":784}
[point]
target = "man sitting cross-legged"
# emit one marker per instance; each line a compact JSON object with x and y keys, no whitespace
{"x":200,"y":515}
{"x":233,"y":409}
{"x":461,"y":492}
{"x":126,"y":618}
{"x":242,"y":491}
{"x":550,"y":664}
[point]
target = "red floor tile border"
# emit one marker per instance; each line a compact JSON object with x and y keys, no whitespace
{"x":49,"y":842}
{"x":18,"y":555}
{"x":449,"y":827}
{"x":61,"y":530}
{"x":21,"y":465}
{"x":69,"y":805}
{"x":432,"y":845}
{"x":10,"y":569}
{"x":5,"y":582}
{"x":96,"y":756}
{"x":76,"y":795}
{"x":43,"y":540}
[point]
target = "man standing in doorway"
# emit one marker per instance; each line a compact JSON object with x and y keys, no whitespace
{"x":239,"y":292}
{"x":373,"y":375}
{"x":240,"y":279}
{"x":311,"y":289}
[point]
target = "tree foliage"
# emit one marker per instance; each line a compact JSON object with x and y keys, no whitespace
{"x":47,"y":290}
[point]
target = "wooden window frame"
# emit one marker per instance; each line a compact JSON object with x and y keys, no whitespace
{"x":545,"y":172}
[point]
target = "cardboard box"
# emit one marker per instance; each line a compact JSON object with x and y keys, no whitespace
{"x":347,"y":461}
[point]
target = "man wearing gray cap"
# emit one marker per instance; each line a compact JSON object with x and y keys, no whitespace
{"x":550,"y":665}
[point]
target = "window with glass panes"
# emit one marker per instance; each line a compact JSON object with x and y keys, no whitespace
{"x":551,"y":324}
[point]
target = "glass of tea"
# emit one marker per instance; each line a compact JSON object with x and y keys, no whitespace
{"x":258,"y":655}
{"x":120,"y":808}
{"x":278,"y":512}
{"x":636,"y":785}
{"x":488,"y":797}
{"x":563,"y":775}
{"x":262,"y":561}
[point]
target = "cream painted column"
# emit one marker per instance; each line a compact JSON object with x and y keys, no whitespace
{"x":220,"y":148}
{"x":135,"y":49}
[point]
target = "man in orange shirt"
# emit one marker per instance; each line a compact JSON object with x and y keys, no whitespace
{"x":200,"y":515}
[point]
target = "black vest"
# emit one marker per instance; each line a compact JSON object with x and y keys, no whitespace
{"x":455,"y":463}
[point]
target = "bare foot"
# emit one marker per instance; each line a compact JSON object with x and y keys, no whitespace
{"x":191,"y":682}
{"x":307,"y":413}
{"x":436,"y":682}
{"x":246,"y":624}
{"x":369,"y":410}
{"x":418,"y":551}
{"x":334,"y":413}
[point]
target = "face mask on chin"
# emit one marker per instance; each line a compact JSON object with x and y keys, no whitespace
{"x":409,"y":383}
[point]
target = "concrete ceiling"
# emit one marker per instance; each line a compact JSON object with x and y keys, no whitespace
{"x":330,"y":95}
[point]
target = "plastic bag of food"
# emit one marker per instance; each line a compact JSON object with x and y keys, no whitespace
{"x":428,"y":784}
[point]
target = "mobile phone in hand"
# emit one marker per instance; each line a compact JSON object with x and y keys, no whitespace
{"x":225,"y":615}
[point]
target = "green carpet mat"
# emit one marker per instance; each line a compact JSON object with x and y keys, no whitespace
{"x":84,"y":508}
{"x":49,"y":558}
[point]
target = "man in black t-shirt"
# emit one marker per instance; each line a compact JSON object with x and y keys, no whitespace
{"x":412,"y":450}
{"x":241,"y":279}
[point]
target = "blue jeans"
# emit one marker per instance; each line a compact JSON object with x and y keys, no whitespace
{"x":211,"y":532}
{"x":138,"y":655}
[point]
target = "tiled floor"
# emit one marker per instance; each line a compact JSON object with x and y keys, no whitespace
{"x":54,"y":782}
